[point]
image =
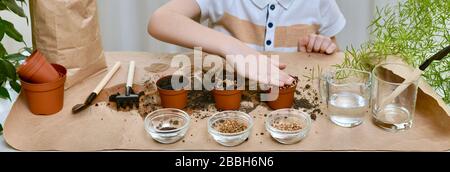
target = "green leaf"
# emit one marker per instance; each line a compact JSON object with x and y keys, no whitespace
{"x":2,"y":51}
{"x":3,"y":78}
{"x":4,"y":94}
{"x":14,"y":7}
{"x":29,"y":49}
{"x":1,"y":129}
{"x":2,"y":6}
{"x":2,"y":32}
{"x":15,"y":86}
{"x":11,"y":31}
{"x":15,"y":57}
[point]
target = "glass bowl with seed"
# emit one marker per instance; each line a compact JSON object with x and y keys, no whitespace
{"x":230,"y":128}
{"x":288,"y":126}
{"x":167,"y":125}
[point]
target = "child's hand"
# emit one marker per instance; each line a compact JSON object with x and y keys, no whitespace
{"x":314,"y":43}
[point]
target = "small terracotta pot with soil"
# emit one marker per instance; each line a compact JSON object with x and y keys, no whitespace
{"x":37,"y":70}
{"x":285,"y":97}
{"x":46,"y":98}
{"x":227,"y":99}
{"x":171,"y":97}
{"x":227,"y":96}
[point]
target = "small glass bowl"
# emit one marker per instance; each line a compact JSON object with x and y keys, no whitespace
{"x":167,"y":125}
{"x":230,"y":139}
{"x":288,"y":116}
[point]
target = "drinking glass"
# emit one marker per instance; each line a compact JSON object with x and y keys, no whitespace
{"x":394,"y":114}
{"x":347,"y":94}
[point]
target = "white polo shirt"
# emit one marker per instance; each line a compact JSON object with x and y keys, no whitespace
{"x":273,"y":25}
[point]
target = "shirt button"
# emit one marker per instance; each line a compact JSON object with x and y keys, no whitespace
{"x":270,"y":25}
{"x":269,"y":42}
{"x":272,"y":7}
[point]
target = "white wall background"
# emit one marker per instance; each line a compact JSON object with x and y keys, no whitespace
{"x":124,"y":25}
{"x":359,"y":14}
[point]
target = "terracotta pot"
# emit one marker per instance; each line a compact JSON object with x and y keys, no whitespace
{"x":227,"y":99}
{"x":285,"y":99}
{"x":171,"y":98}
{"x":36,"y":69}
{"x":47,"y":98}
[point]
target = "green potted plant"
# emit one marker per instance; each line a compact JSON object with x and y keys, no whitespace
{"x":9,"y":62}
{"x":412,"y":30}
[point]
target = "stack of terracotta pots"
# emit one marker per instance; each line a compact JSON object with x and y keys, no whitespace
{"x":43,"y":84}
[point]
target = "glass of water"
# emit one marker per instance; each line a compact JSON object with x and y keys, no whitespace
{"x":393,"y":113}
{"x":347,"y":94}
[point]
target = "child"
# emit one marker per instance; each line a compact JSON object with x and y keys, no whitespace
{"x":247,"y":27}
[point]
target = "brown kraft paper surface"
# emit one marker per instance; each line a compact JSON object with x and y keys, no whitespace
{"x":103,"y":128}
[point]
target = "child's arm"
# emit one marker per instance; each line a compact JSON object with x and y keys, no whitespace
{"x":318,"y":44}
{"x":174,"y":23}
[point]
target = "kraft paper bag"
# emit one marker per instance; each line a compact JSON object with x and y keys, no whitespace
{"x":67,"y":32}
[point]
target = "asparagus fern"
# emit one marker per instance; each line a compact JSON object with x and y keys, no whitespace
{"x":413,"y":30}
